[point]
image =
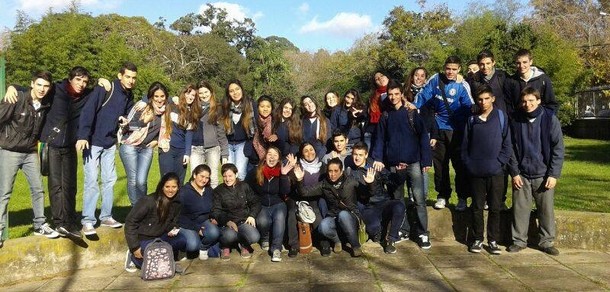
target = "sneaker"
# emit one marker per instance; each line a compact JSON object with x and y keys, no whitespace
{"x":244,"y":252}
{"x":402,"y":236}
{"x":376,"y":237}
{"x":64,"y":232}
{"x":110,"y":222}
{"x":203,"y":254}
{"x":440,"y":203}
{"x":337,"y":248}
{"x":515,"y":248}
{"x":461,"y":205}
{"x":494,"y":248}
{"x":487,"y":207}
{"x":179,"y":269}
{"x":225,"y":254}
{"x":277,"y":256}
{"x":476,"y":247}
{"x":88,"y":229}
{"x":130,"y":266}
{"x":265,"y":245}
{"x":293,"y":252}
{"x":389,"y":247}
{"x":325,"y":248}
{"x":356,"y":252}
{"x":424,"y":242}
{"x":47,"y":231}
{"x":551,"y":250}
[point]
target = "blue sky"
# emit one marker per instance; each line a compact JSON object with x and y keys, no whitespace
{"x":310,"y":25}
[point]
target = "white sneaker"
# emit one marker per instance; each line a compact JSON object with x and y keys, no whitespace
{"x":461,"y":205}
{"x":47,"y":231}
{"x":88,"y":229}
{"x":277,"y":256}
{"x":110,"y":222}
{"x":203,"y":255}
{"x":130,"y":266}
{"x":440,"y":203}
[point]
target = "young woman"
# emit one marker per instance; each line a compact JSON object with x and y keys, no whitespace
{"x":376,"y":105}
{"x":235,"y":208}
{"x":316,"y":127}
{"x":331,"y":101}
{"x":349,"y":117}
{"x":209,"y":144}
{"x":287,"y":127}
{"x":272,"y":185}
{"x":263,"y":135}
{"x":237,"y":115}
{"x":154,"y":216}
{"x":180,"y":120}
{"x":197,"y":197}
{"x":140,"y":136}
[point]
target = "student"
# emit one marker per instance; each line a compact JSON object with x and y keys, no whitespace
{"x":349,"y":118}
{"x":154,"y":216}
{"x":331,"y":102}
{"x":339,"y":191}
{"x":376,"y":105}
{"x":196,"y":197}
{"x":263,"y":135}
{"x":402,"y":145}
{"x":452,"y":109}
{"x":486,"y":149}
{"x":535,"y":167}
{"x":316,"y":127}
{"x":472,"y":69}
{"x":287,"y":127}
{"x":494,"y":78}
{"x":340,"y":151}
{"x":235,"y":209}
{"x":97,"y":139}
{"x":20,"y":125}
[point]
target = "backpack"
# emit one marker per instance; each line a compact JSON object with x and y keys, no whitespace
{"x":305,"y":212}
{"x":159,"y":261}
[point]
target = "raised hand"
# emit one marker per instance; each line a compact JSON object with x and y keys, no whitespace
{"x":378,"y":166}
{"x":370,"y":175}
{"x":286,"y":168}
{"x":298,"y":172}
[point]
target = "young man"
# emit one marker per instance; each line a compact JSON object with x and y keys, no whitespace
{"x":486,"y":149}
{"x":452,"y":109}
{"x":535,"y":167}
{"x":339,"y":148}
{"x":403,"y":146}
{"x":473,"y":68}
{"x":491,"y":76}
{"x":530,"y":76}
{"x":20,"y":125}
{"x":376,"y":205}
{"x":98,"y":124}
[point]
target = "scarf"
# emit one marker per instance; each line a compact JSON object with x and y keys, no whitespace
{"x":72,"y":93}
{"x":205,"y":107}
{"x":163,"y":136}
{"x":311,"y":167}
{"x":236,"y":112}
{"x":261,"y":136}
{"x":271,"y":172}
{"x":375,"y":109}
{"x":536,"y":113}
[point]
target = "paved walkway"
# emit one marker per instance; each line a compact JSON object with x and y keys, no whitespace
{"x":446,"y":267}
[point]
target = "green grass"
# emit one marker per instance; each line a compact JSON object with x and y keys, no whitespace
{"x":583,"y":186}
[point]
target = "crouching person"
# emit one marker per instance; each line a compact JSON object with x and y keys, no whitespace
{"x":235,"y":208}
{"x":154,"y":216}
{"x":339,"y":192}
{"x":201,"y":231}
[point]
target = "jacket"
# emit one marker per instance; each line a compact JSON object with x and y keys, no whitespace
{"x":235,"y":203}
{"x":62,"y":120}
{"x":338,"y":199}
{"x":196,"y":208}
{"x":458,"y":97}
{"x":497,"y":84}
{"x":21,"y":124}
{"x":539,"y":81}
{"x":142,"y":222}
{"x":375,"y":192}
{"x":211,"y":135}
{"x":272,"y":191}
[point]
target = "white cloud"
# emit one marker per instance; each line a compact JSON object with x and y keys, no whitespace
{"x":40,"y":6}
{"x":234,"y":11}
{"x":304,"y":8}
{"x":344,"y":24}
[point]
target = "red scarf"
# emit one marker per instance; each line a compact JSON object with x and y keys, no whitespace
{"x":271,"y":172}
{"x":72,"y":93}
{"x":375,"y":107}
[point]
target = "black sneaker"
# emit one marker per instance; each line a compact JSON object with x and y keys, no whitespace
{"x":494,"y":248}
{"x":476,"y":246}
{"x":390,"y":247}
{"x":424,"y":242}
{"x":376,"y":237}
{"x":64,"y":232}
{"x":402,"y":236}
{"x":515,"y":248}
{"x":551,"y":250}
{"x":325,"y":248}
{"x":293,"y":252}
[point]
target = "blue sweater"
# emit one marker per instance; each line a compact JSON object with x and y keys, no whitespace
{"x":196,"y":208}
{"x":396,"y":142}
{"x":180,"y":138}
{"x":486,"y":147}
{"x":309,"y":135}
{"x":99,"y":123}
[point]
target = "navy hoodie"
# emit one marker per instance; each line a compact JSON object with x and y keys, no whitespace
{"x":196,"y":208}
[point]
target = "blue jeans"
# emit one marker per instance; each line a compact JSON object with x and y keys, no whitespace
{"x":92,"y":159}
{"x":177,"y":242}
{"x":414,"y":177}
{"x":377,"y":215}
{"x":237,"y":157}
{"x":171,"y":161}
{"x":246,"y":235}
{"x":209,"y":156}
{"x":194,"y":242}
{"x":137,"y":161}
{"x":272,"y":218}
{"x":29,"y":163}
{"x":347,"y":223}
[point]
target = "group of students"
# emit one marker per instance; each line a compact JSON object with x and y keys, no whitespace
{"x":350,"y":160}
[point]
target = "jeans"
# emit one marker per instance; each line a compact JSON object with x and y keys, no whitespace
{"x":376,"y":216}
{"x":177,"y":242}
{"x":272,"y":219}
{"x":29,"y":163}
{"x":447,"y":149}
{"x":533,"y":189}
{"x":171,"y":161}
{"x":194,"y":242}
{"x":137,"y":161}
{"x":348,"y":224}
{"x":487,"y":189}
{"x":92,"y":158}
{"x":237,"y":157}
{"x":413,"y":176}
{"x":209,"y":156}
{"x":246,"y":235}
{"x":63,"y":165}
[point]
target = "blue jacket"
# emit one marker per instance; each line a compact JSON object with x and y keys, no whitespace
{"x":309,"y":135}
{"x":196,"y":208}
{"x":458,"y":98}
{"x":99,"y":122}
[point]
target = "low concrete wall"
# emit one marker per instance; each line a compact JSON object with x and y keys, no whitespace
{"x":36,"y":256}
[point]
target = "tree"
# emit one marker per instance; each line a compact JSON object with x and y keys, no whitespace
{"x":269,"y":70}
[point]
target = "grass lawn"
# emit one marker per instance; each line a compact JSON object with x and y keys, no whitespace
{"x":584,"y":186}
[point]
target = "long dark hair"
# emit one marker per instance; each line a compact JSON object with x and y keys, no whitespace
{"x":246,"y":103}
{"x":213,"y":113}
{"x":295,"y":135}
{"x":318,"y":113}
{"x":163,"y":202}
{"x":408,"y":92}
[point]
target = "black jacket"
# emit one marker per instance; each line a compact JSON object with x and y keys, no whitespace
{"x":142,"y":222}
{"x":62,"y":120}
{"x":539,"y":81}
{"x":341,"y":198}
{"x":235,"y":203}
{"x":20,"y":123}
{"x":272,"y":191}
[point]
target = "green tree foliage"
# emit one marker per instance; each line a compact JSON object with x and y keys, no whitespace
{"x":269,"y":70}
